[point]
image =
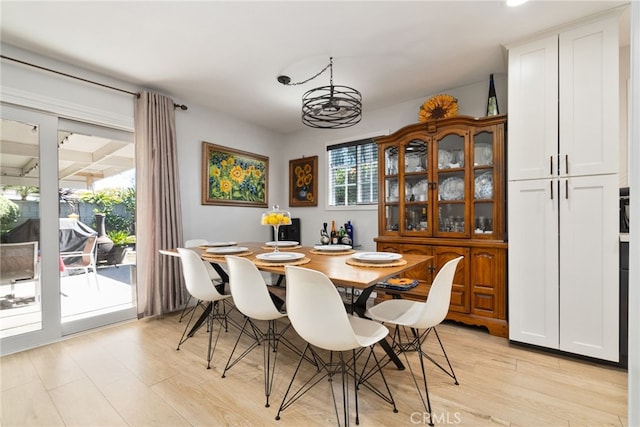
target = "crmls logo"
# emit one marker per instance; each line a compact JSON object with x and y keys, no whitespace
{"x":442,"y":418}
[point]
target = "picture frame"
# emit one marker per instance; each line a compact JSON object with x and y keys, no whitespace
{"x":303,"y":182}
{"x":233,"y":177}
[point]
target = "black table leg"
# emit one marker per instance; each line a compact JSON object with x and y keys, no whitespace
{"x":359,"y":307}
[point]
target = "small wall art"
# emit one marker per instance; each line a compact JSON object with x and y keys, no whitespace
{"x":303,"y":181}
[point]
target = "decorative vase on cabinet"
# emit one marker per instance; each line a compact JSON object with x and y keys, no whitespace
{"x":442,"y":186}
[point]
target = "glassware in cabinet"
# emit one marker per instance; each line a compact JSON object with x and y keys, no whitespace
{"x":392,"y":216}
{"x":391,"y":160}
{"x":415,"y":156}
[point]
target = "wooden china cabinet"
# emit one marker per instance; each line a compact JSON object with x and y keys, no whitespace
{"x":442,"y":193}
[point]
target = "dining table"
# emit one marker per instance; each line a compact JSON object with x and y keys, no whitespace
{"x":344,"y":267}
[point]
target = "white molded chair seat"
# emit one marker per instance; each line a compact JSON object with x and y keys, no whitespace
{"x":200,"y":286}
{"x":213,"y":275}
{"x":421,"y":318}
{"x":318,"y":315}
{"x":252,"y":298}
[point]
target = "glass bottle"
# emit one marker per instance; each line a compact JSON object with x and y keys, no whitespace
{"x":492,"y":100}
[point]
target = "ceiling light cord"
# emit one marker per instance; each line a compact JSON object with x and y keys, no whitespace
{"x":286,"y":80}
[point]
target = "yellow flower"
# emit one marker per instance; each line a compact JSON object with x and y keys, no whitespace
{"x":257,"y":173}
{"x":300,"y":173}
{"x":223,"y":163}
{"x":297,"y":169}
{"x":225,"y":186}
{"x":231,"y":160}
{"x":237,"y":174}
{"x":438,"y":107}
{"x":309,"y":196}
{"x":215,"y":171}
{"x":299,"y":182}
{"x":307,"y":168}
{"x":307,"y":179}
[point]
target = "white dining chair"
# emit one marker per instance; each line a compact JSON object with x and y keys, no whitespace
{"x":252,"y":298}
{"x":421,"y":318}
{"x":318,"y":315}
{"x":213,"y":275}
{"x":200,"y":286}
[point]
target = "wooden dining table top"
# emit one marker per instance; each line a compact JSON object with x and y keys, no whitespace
{"x":333,"y":265}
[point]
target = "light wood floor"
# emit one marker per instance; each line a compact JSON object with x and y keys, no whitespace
{"x":132,"y":375}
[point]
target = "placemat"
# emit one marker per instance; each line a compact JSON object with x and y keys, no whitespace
{"x":281,"y":248}
{"x":220,"y":257}
{"x":261,"y":263}
{"x":344,"y":252}
{"x":395,"y":263}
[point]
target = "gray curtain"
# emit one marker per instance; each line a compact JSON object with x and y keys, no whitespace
{"x":158,"y":212}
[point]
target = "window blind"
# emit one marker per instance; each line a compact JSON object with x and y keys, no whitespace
{"x":353,"y":173}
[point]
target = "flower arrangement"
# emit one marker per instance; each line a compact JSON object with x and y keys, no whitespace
{"x":438,"y":107}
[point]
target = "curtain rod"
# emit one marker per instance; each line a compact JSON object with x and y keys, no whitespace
{"x":136,"y":94}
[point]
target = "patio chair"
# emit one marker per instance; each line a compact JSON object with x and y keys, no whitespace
{"x":83,"y":260}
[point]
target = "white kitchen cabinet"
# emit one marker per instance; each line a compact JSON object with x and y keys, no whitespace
{"x":589,"y":283}
{"x":563,"y":190}
{"x":569,"y":78}
{"x":533,"y":263}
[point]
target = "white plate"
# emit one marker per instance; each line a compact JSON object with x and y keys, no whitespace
{"x":444,"y":159}
{"x":484,"y":186}
{"x":332,"y":248}
{"x":280,"y":256}
{"x":220,"y":244}
{"x":452,"y":188}
{"x":376,"y":257}
{"x":283,"y":243}
{"x":227,"y":250}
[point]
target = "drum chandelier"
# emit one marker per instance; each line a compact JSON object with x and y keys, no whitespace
{"x":328,"y":107}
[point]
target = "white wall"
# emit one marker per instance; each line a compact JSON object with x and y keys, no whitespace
{"x":472,"y":101}
{"x":224,"y":222}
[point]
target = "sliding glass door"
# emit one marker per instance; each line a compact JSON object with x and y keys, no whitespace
{"x":97,"y":225}
{"x":30,"y":313}
{"x":64,"y":185}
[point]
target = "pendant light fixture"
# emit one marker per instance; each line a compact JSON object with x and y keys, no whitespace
{"x":328,"y":107}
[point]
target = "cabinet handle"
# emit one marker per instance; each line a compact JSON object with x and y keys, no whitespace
{"x":551,"y":187}
{"x":550,"y":165}
{"x":566,"y":163}
{"x":566,"y":189}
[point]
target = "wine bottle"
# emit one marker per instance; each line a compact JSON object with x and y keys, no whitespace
{"x":349,"y":228}
{"x":334,"y":234}
{"x":492,"y":101}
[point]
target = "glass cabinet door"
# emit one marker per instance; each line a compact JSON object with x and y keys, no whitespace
{"x":451,"y":185}
{"x":483,"y":184}
{"x":416,"y":187}
{"x":391,"y":190}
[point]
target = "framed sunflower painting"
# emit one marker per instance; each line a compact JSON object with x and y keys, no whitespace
{"x":303,"y":181}
{"x":233,"y":177}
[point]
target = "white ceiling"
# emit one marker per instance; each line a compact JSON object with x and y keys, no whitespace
{"x":226,"y":55}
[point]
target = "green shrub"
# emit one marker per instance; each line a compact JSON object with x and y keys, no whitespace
{"x":9,"y":214}
{"x":121,"y":238}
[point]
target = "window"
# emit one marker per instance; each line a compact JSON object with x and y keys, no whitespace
{"x":353,"y":173}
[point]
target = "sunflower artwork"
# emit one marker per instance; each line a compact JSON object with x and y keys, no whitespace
{"x":233,"y":177}
{"x":438,"y":107}
{"x":303,"y":186}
